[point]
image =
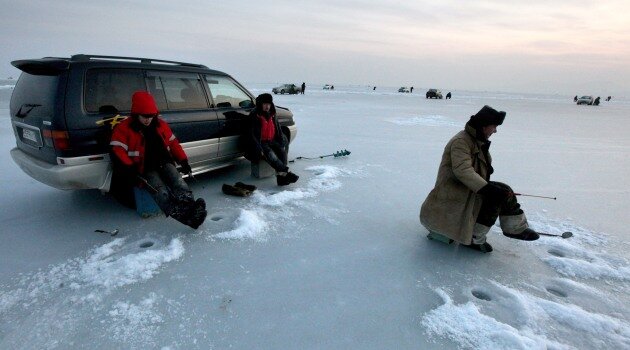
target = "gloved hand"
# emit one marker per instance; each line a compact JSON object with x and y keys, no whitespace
{"x":185,"y":167}
{"x":494,"y":193}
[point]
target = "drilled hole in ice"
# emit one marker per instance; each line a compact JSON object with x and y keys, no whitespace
{"x":481,"y":295}
{"x":146,"y":244}
{"x":556,"y":252}
{"x":557,"y":292}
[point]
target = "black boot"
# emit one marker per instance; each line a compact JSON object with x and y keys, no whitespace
{"x":292,"y":178}
{"x":484,"y":248}
{"x":282,"y":180}
{"x":235,"y":191}
{"x":250,"y":188}
{"x":527,"y":235}
{"x":189,"y":214}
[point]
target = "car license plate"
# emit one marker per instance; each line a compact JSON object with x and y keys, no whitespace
{"x":29,"y":135}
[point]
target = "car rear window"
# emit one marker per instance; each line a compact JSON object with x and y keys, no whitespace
{"x":177,"y":91}
{"x":34,"y":95}
{"x":111,"y":87}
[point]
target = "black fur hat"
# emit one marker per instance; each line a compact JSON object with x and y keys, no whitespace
{"x":487,"y":116}
{"x":264,"y":98}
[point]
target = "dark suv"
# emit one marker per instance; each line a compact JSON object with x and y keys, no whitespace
{"x":434,"y":93}
{"x":57,"y":103}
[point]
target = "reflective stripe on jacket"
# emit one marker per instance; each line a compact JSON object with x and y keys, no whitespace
{"x":128,"y":144}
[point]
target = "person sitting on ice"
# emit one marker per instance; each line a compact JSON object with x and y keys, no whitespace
{"x":464,"y":203}
{"x":267,"y":142}
{"x":144,"y":152}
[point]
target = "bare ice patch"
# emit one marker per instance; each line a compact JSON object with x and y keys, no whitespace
{"x":137,"y":323}
{"x":500,"y":317}
{"x":424,"y":120}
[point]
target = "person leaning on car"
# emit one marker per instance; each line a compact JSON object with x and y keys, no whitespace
{"x":267,"y":142}
{"x":144,"y":153}
{"x":464,"y":204}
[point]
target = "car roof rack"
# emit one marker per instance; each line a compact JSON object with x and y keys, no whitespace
{"x":83,"y":58}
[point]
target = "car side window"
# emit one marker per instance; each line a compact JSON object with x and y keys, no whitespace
{"x":176,"y":91}
{"x":111,"y":87}
{"x":226,"y":93}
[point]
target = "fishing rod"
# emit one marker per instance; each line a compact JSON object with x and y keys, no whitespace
{"x":531,"y":195}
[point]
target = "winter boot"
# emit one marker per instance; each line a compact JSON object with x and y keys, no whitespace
{"x":200,"y":203}
{"x":235,"y":191}
{"x":291,"y":177}
{"x":527,"y":235}
{"x":282,"y":180}
{"x":484,"y":248}
{"x":515,"y":226}
{"x":197,"y":217}
{"x":250,"y":188}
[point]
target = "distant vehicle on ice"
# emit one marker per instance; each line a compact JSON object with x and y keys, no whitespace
{"x":287,"y":89}
{"x":585,"y":100}
{"x":434,"y":93}
{"x":328,"y":87}
{"x":404,"y":89}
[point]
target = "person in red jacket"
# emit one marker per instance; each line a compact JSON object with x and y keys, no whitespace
{"x":145,"y":151}
{"x":267,"y":142}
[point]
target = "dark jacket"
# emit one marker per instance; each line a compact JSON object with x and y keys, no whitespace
{"x":254,"y":148}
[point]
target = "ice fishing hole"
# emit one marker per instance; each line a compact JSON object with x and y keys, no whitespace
{"x":556,"y":252}
{"x":216,"y":218}
{"x":481,"y":295}
{"x":319,"y":172}
{"x":146,"y":244}
{"x":557,"y":292}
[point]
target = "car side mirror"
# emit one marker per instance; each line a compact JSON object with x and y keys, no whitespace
{"x":246,"y":104}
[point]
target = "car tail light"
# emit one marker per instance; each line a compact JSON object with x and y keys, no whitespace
{"x":57,"y":138}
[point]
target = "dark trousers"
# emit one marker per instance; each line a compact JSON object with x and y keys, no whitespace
{"x":275,"y":155}
{"x":491,"y":210}
{"x":171,"y":188}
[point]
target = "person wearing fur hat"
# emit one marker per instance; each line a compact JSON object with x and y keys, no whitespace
{"x":267,"y":140}
{"x":145,"y":151}
{"x":464,"y":204}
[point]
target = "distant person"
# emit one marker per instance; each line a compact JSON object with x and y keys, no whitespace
{"x":596,"y":102}
{"x":575,"y":98}
{"x":303,"y":87}
{"x":411,"y":90}
{"x":267,"y":142}
{"x":608,"y":98}
{"x":332,"y":87}
{"x":464,"y":204}
{"x":374,"y":88}
{"x":448,"y":95}
{"x":144,"y":153}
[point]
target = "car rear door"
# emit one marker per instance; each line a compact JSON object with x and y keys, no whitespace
{"x":183,"y":103}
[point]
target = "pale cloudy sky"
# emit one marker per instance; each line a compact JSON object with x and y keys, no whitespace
{"x":552,"y":46}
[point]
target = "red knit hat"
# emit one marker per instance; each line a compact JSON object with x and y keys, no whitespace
{"x":143,"y":103}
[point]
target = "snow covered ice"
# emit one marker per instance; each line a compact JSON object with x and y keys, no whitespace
{"x":338,"y":260}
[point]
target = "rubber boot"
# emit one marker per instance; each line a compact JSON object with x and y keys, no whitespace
{"x":516,"y":227}
{"x":479,"y":238}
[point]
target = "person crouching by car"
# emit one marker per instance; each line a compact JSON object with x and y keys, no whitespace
{"x":465,"y":204}
{"x":144,"y":152}
{"x":268,"y":143}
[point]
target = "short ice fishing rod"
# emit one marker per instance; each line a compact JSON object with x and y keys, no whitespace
{"x":531,"y":195}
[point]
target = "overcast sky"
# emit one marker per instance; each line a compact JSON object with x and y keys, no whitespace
{"x":552,"y":46}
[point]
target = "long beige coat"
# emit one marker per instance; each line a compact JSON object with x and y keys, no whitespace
{"x":451,"y":208}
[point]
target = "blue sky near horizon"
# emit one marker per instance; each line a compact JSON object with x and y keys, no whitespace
{"x":561,"y":46}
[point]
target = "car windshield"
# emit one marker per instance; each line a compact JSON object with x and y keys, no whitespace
{"x":586,"y":97}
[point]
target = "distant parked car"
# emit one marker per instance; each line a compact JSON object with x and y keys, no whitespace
{"x":287,"y":89}
{"x":434,"y":93}
{"x":327,"y":87}
{"x":585,"y":100}
{"x":404,"y":89}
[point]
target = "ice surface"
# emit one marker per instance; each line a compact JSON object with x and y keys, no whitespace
{"x":338,"y":259}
